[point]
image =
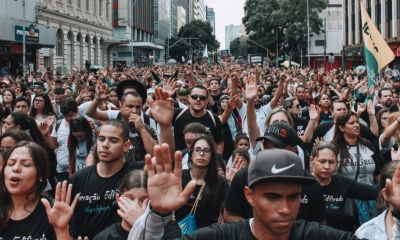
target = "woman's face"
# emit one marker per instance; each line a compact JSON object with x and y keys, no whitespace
{"x":7,"y":97}
{"x":9,"y":124}
{"x":7,"y":143}
{"x":224,"y":104}
{"x":384,"y":119}
{"x":243,"y":144}
{"x":324,"y":164}
{"x":38,"y":103}
{"x":279,"y":117}
{"x":295,"y":108}
{"x":20,"y":172}
{"x":79,"y":135}
{"x":240,"y":159}
{"x":138,"y":195}
{"x":201,"y":154}
{"x":351,"y":127}
{"x":325,"y":101}
{"x":113,"y":98}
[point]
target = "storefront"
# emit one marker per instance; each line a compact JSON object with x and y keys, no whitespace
{"x":11,"y":46}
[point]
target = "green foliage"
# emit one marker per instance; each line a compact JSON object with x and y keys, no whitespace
{"x":284,"y":21}
{"x":192,"y":37}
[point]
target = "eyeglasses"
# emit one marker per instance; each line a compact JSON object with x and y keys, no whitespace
{"x":201,"y":97}
{"x":205,"y":151}
{"x":385,"y":118}
{"x":296,"y":106}
{"x":3,"y":87}
{"x":39,"y":101}
{"x":260,"y":95}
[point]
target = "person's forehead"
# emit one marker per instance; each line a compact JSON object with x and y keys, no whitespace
{"x":110,"y":131}
{"x":198,"y":91}
{"x":21,"y":103}
{"x":339,"y":105}
{"x":386,"y":92}
{"x":129,"y":99}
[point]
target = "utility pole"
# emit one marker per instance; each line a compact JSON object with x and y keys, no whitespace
{"x":23,"y":37}
{"x":308,"y":34}
{"x":325,"y":43}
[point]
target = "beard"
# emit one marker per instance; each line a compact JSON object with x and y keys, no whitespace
{"x":388,"y":103}
{"x":257,"y":104}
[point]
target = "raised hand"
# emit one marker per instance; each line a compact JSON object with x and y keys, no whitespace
{"x":392,"y":189}
{"x":130,"y":210}
{"x":136,"y":121}
{"x":371,"y":107}
{"x":313,"y":112}
{"x":238,"y":163}
{"x":162,"y":109}
{"x":251,"y":89}
{"x":45,"y":128}
{"x":60,"y":214}
{"x":361,"y":107}
{"x":170,"y":87}
{"x":163,"y":185}
{"x":101,"y":91}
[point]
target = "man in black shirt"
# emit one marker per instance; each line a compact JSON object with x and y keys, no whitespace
{"x":98,"y":184}
{"x":275,"y":180}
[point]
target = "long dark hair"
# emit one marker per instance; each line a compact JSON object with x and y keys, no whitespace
{"x":27,"y":123}
{"x":212,"y":194}
{"x":379,"y":117}
{"x":48,"y":107}
{"x":80,"y":124}
{"x":40,"y":160}
{"x":340,"y":142}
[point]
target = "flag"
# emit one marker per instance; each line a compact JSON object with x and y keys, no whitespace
{"x":376,"y":51}
{"x":205,"y":53}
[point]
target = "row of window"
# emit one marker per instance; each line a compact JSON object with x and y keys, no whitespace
{"x":94,"y":6}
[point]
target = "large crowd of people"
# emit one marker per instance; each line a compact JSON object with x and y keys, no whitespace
{"x":200,"y":151}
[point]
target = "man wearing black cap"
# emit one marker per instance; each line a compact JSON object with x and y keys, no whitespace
{"x":275,"y":182}
{"x":277,"y":136}
{"x":132,"y":95}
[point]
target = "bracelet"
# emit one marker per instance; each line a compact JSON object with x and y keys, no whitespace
{"x":396,"y":213}
{"x":98,"y":99}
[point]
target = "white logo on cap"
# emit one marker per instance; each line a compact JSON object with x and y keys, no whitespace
{"x":275,"y":170}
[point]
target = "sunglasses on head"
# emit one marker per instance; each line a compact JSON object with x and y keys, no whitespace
{"x":296,"y":106}
{"x":195,"y":97}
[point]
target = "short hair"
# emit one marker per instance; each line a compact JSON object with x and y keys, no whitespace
{"x":119,"y":124}
{"x":383,"y":89}
{"x":17,"y":134}
{"x":195,"y":127}
{"x":182,"y":92}
{"x":134,"y":94}
{"x":22,"y":99}
{"x":68,"y":105}
{"x":337,"y":101}
{"x":133,"y":179}
{"x":300,"y":86}
{"x":199,"y":87}
{"x":58,"y":81}
{"x":59,"y":91}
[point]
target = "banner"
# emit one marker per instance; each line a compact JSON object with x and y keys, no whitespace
{"x":376,"y":51}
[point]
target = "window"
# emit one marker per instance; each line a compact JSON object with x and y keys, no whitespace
{"x":100,"y":7}
{"x":94,"y":6}
{"x":69,"y":2}
{"x":319,"y":43}
{"x":107,"y":9}
{"x":87,"y":5}
{"x":59,"y":41}
{"x":78,"y":3}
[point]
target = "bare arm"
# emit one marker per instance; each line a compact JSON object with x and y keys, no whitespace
{"x":253,"y":129}
{"x":373,"y":124}
{"x":234,"y":88}
{"x":389,"y":132}
{"x":92,"y":110}
{"x":279,"y":91}
{"x":314,"y":115}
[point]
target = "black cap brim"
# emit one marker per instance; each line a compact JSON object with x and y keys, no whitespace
{"x":303,"y":181}
{"x":132,"y":83}
{"x":276,"y":141}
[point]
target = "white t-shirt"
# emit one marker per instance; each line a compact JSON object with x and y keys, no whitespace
{"x":62,"y":150}
{"x":262,"y":113}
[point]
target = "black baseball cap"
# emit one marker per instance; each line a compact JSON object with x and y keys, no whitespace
{"x":126,"y":84}
{"x":277,"y":165}
{"x":281,"y":134}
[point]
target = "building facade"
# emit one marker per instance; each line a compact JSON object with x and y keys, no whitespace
{"x":133,"y":23}
{"x":199,"y":10}
{"x":181,"y":17}
{"x":386,"y":16}
{"x":174,"y":17}
{"x":231,"y":32}
{"x":83,"y":28}
{"x":211,"y":18}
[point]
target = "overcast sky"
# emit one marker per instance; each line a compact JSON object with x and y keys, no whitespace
{"x":226,"y":12}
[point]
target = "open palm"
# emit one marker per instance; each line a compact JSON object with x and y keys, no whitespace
{"x":162,"y":109}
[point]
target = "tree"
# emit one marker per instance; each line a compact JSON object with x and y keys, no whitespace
{"x":239,"y":47}
{"x":192,"y":38}
{"x":269,"y":22}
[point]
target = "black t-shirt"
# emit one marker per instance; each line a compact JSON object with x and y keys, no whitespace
{"x":335,"y":195}
{"x":185,"y":118}
{"x":301,"y":125}
{"x":97,"y":207}
{"x":304,"y":110}
{"x":137,"y":151}
{"x":204,"y":217}
{"x":242,"y":231}
{"x":113,"y":232}
{"x":325,"y":117}
{"x":35,"y":226}
{"x":312,"y":206}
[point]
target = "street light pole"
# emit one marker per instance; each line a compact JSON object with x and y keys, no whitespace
{"x":23,"y":37}
{"x":259,"y":46}
{"x":308,"y":34}
{"x":131,"y":23}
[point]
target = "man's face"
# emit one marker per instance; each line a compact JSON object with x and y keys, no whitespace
{"x":214,"y":85}
{"x":386,"y":98}
{"x":301,"y":93}
{"x":338,"y":108}
{"x":59,"y":98}
{"x":37,"y":89}
{"x":258,"y":101}
{"x":197,"y":104}
{"x":70,"y":115}
{"x":21,"y":106}
{"x":395,"y":98}
{"x":3,"y":87}
{"x":131,"y":105}
{"x":110,"y":145}
{"x":275,"y":206}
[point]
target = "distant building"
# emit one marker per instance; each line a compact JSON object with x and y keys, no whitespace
{"x":231,"y":32}
{"x":211,"y":18}
{"x":181,"y":17}
{"x":195,"y":9}
{"x":174,"y":17}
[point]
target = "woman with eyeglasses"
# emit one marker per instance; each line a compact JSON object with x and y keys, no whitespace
{"x":42,"y":110}
{"x":203,"y":169}
{"x":390,"y":137}
{"x":80,"y":141}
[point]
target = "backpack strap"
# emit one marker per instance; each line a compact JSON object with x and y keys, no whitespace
{"x":180,"y":114}
{"x":212,"y":117}
{"x":58,"y":123}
